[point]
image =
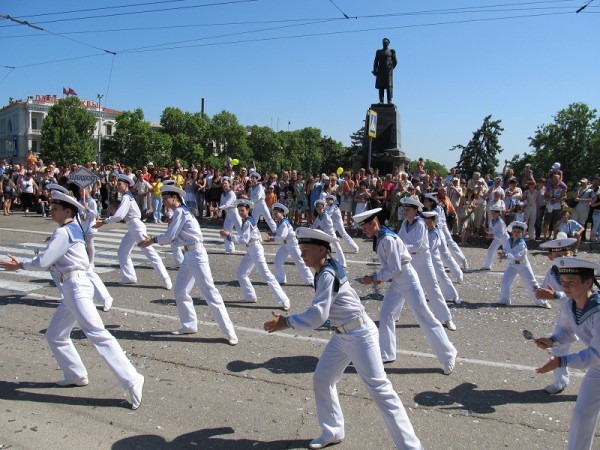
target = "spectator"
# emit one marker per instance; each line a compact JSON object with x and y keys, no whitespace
{"x":555,"y":194}
{"x":583,"y":196}
{"x":570,"y":227}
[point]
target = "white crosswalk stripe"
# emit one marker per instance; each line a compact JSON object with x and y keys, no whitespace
{"x":106,"y":243}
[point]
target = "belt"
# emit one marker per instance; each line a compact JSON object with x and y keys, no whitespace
{"x":351,"y":325}
{"x":253,"y":241}
{"x":292,"y":239}
{"x":187,"y":248}
{"x":418,"y":252}
{"x":73,"y":274}
{"x":517,"y":262}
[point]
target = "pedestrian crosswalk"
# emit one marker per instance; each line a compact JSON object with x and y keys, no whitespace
{"x":106,"y":243}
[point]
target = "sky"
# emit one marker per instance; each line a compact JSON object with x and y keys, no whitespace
{"x":290,"y":64}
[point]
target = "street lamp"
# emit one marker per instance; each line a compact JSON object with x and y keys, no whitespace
{"x":100,"y":96}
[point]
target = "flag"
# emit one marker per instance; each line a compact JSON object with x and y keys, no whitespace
{"x":65,"y":92}
{"x":71,"y":92}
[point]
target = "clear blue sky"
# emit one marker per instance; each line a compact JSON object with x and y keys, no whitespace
{"x":271,"y":62}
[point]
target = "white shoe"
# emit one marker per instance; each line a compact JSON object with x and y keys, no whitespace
{"x":554,"y":388}
{"x":449,"y":367}
{"x":450,"y":325}
{"x":345,"y":266}
{"x":135,"y":393}
{"x":232,"y":339}
{"x":127,"y":281}
{"x":465,"y":265}
{"x":545,"y":305}
{"x":458,"y":281}
{"x":286,"y":305}
{"x":183,"y":330}
{"x":357,"y":250}
{"x":107,"y":304}
{"x":322,"y":443}
{"x":78,"y":383}
{"x":458,"y":301}
{"x":250,"y":300}
{"x":168,"y":284}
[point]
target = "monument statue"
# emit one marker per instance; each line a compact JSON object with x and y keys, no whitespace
{"x":383,"y":69}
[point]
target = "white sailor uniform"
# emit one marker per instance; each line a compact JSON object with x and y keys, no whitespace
{"x":66,"y":254}
{"x":128,"y":210}
{"x":175,"y":249}
{"x":88,"y":218}
{"x":184,"y":231}
{"x":448,"y":246}
{"x":323,"y":222}
{"x":587,"y":328}
{"x":497,"y":228}
{"x":250,"y":237}
{"x":285,"y":235}
{"x":448,"y":290}
{"x":338,"y":225}
{"x":405,"y":285}
{"x":414,"y":237}
{"x":355,"y":341}
{"x":232,"y":218}
{"x":257,"y":196}
{"x":518,"y":263}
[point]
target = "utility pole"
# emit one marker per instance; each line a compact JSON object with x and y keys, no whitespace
{"x":100,"y":96}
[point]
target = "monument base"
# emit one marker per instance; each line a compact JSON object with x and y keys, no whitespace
{"x":383,"y":161}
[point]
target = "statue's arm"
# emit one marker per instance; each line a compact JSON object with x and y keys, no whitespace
{"x":376,"y":62}
{"x":394,"y":59}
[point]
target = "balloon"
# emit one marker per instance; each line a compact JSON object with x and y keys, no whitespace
{"x":235,"y":162}
{"x":340,"y":170}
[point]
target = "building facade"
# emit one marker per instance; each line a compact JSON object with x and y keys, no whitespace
{"x":21,"y":125}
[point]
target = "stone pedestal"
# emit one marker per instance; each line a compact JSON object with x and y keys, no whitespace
{"x":386,"y":150}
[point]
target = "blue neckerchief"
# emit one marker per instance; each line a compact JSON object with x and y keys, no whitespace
{"x":384,"y":231}
{"x":514,"y":244}
{"x":251,"y":220}
{"x":283,"y":221}
{"x":75,"y":232}
{"x":334,"y":267}
{"x":555,"y":274}
{"x":185,"y":208}
{"x":410,"y":226}
{"x":130,"y":194}
{"x":495,"y":221}
{"x":591,"y":307}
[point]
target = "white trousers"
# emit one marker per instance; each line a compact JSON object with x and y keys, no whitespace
{"x":423,"y":265}
{"x":338,"y":225}
{"x":90,"y":247}
{"x":527,"y":277}
{"x":260,"y":209}
{"x":135,"y":234}
{"x":448,"y":290}
{"x":292,"y":249}
{"x":232,"y":221}
{"x":77,"y":307}
{"x":177,"y":254}
{"x":360,"y":347}
{"x":101,"y":293}
{"x":530,"y":218}
{"x":453,"y":246}
{"x":255,"y":256}
{"x":585,"y":412}
{"x":195,"y":267}
{"x":449,"y":260}
{"x":491,"y":252}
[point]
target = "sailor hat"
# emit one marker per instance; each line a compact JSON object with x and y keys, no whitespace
{"x":255,"y":175}
{"x":225,"y":179}
{"x":576,"y":266}
{"x":409,"y":201}
{"x":57,"y":187}
{"x":168,"y":189}
{"x":366,"y":216}
{"x":244,"y":202}
{"x":281,"y":207}
{"x":126,"y":179}
{"x":168,"y":182}
{"x":432,"y":197}
{"x":316,"y":237}
{"x":516,"y":224}
{"x":319,"y":202}
{"x":558,"y":245}
{"x":430,"y":214}
{"x":65,"y":200}
{"x":497,"y":208}
{"x":330,"y":197}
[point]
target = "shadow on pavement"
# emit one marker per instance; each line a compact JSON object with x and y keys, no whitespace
{"x":278,"y":365}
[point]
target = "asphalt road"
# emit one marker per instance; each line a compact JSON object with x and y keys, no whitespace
{"x":201,"y":393}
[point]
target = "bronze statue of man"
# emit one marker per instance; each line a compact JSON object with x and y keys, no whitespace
{"x":383,"y":69}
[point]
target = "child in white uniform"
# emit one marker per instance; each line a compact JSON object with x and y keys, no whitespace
{"x":232,"y":218}
{"x":497,"y":228}
{"x":323,"y":222}
{"x":185,"y":233}
{"x":355,"y":340}
{"x":333,"y":209}
{"x":579,"y":317}
{"x":250,"y":237}
{"x":66,"y":253}
{"x":257,"y":197}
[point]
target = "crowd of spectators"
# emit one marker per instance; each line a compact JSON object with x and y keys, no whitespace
{"x":537,"y":199}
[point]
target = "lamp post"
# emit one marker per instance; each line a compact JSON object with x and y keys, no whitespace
{"x":100,"y":96}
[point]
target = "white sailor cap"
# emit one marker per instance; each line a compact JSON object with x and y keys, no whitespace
{"x":316,"y":237}
{"x":255,"y":175}
{"x":244,"y":202}
{"x":561,"y":235}
{"x":57,"y":187}
{"x":330,"y":197}
{"x":168,"y":189}
{"x":319,"y":202}
{"x":125,"y":178}
{"x":409,"y":201}
{"x":65,"y":200}
{"x":497,"y":208}
{"x":366,"y":216}
{"x":558,"y":245}
{"x":281,"y":207}
{"x":430,"y":214}
{"x":516,"y":224}
{"x":168,"y":182}
{"x":225,"y":179}
{"x":576,"y":266}
{"x":432,"y":197}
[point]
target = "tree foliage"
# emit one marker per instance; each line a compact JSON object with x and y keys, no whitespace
{"x":189,"y":133}
{"x":67,"y":133}
{"x":481,"y":152}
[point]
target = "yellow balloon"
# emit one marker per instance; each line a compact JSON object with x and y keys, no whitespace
{"x":340,"y":170}
{"x":235,"y":162}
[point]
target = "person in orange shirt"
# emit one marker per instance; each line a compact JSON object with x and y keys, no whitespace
{"x":270,"y":197}
{"x":31,"y":159}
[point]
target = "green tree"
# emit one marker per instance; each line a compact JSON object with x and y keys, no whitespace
{"x":229,"y":137}
{"x":188,"y":132}
{"x":481,"y":153}
{"x":67,"y":133}
{"x":267,"y":147}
